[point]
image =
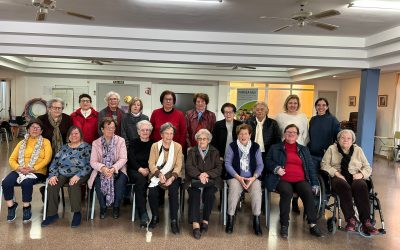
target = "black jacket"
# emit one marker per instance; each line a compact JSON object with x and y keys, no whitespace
{"x":220,"y":134}
{"x":271,"y":132}
{"x":277,"y":157}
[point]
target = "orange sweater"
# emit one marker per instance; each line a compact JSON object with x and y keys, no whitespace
{"x":42,"y":161}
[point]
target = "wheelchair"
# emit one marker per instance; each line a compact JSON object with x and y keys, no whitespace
{"x":334,"y":223}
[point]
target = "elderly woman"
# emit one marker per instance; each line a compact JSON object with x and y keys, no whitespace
{"x":138,"y":167}
{"x":28,"y":163}
{"x":203,"y":170}
{"x":108,"y":160}
{"x":55,"y":124}
{"x":244,"y":165}
{"x":113,"y":111}
{"x":86,"y":118}
{"x":349,"y":168}
{"x":199,"y":118}
{"x":129,"y":129}
{"x":290,"y":169}
{"x":167,"y":113}
{"x":165,"y":165}
{"x":70,"y":165}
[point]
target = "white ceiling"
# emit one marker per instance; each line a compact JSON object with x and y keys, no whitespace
{"x":241,"y":16}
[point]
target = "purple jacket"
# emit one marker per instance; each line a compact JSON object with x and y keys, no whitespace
{"x":96,"y":158}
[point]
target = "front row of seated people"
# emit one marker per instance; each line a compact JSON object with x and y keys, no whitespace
{"x":158,"y":166}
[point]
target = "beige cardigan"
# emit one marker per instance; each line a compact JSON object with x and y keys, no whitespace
{"x":358,"y":163}
{"x":177,"y":163}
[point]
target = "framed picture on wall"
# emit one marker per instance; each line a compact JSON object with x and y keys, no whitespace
{"x":382,"y":100}
{"x":352,"y":100}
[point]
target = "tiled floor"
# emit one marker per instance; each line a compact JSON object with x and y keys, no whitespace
{"x":123,"y":234}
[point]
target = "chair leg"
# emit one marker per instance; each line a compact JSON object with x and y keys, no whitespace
{"x":93,"y":203}
{"x":267,"y":208}
{"x":225,"y":201}
{"x":88,"y":192}
{"x":45,"y":200}
{"x":1,"y":196}
{"x":133,"y":203}
{"x":63,"y":197}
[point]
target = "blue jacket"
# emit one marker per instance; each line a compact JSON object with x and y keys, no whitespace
{"x":277,"y":157}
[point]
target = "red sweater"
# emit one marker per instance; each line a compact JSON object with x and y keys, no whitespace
{"x":176,"y":117}
{"x":294,"y":165}
{"x":88,"y":125}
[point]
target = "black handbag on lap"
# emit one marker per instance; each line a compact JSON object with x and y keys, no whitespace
{"x":197,"y":183}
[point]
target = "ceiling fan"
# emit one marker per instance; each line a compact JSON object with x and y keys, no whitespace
{"x":99,"y":62}
{"x":236,"y":67}
{"x":306,"y":17}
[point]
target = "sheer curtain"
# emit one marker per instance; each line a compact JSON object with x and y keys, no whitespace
{"x":396,"y":116}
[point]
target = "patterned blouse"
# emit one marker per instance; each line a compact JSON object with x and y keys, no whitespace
{"x":72,"y":161}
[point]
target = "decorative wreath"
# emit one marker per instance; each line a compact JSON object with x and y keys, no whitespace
{"x":34,"y":107}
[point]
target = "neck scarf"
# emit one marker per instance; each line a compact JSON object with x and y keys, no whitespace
{"x":136,"y":115}
{"x":34,"y":157}
{"x":107,"y":184}
{"x":86,"y":113}
{"x":168,"y":164}
{"x":344,"y":164}
{"x":245,"y":158}
{"x":120,"y":113}
{"x":203,"y":153}
{"x":259,"y":134}
{"x":56,"y":140}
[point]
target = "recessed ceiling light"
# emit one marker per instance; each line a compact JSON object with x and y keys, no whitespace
{"x":334,"y":76}
{"x":393,"y":5}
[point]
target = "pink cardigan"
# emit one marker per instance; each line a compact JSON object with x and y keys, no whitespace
{"x":96,"y":158}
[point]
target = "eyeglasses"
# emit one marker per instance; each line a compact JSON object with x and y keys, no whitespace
{"x":109,"y":128}
{"x":291,"y":132}
{"x":145,"y":130}
{"x":113,"y":99}
{"x":168,"y":99}
{"x":202,"y":139}
{"x":85,"y":100}
{"x":228,"y":112}
{"x":36,"y":128}
{"x":57,"y":108}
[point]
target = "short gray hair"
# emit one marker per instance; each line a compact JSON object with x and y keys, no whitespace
{"x":110,"y":94}
{"x":347,"y":131}
{"x":260,"y":103}
{"x":203,"y":131}
{"x":142,"y":123}
{"x":50,"y":102}
{"x":166,"y":126}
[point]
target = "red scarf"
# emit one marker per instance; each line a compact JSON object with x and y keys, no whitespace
{"x":120,"y":113}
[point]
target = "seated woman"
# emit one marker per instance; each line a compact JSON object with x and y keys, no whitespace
{"x":349,"y":168}
{"x":203,"y":170}
{"x":165,"y":165}
{"x":28,"y":163}
{"x":244,"y":165}
{"x":108,"y":160}
{"x":290,"y":169}
{"x":138,"y":167}
{"x":70,"y":165}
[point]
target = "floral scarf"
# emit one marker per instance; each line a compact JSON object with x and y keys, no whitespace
{"x":56,"y":140}
{"x":244,"y":159}
{"x":34,"y":157}
{"x":107,"y":184}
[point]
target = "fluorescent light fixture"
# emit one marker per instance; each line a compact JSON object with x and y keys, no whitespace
{"x":393,"y":5}
{"x":194,"y":1}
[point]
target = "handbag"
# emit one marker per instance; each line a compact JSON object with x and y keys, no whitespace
{"x":196,"y":183}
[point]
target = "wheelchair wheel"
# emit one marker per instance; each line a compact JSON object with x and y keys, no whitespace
{"x":320,"y":198}
{"x":331,"y":224}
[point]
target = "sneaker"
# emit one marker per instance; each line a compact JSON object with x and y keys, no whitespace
{"x":26,"y":214}
{"x":50,"y":220}
{"x":11,"y":213}
{"x":316,"y":231}
{"x":367,"y":227}
{"x":351,"y":225}
{"x":76,"y":219}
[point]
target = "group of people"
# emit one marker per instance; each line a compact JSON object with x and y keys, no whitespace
{"x":110,"y":149}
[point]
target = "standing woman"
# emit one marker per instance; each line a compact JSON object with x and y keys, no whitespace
{"x":203,"y":170}
{"x":244,"y":165}
{"x":86,"y":118}
{"x":70,"y":165}
{"x":129,"y":129}
{"x":167,"y":113}
{"x":55,"y":124}
{"x":113,"y":111}
{"x":323,"y":130}
{"x":28,"y":163}
{"x":199,"y":118}
{"x":108,"y":160}
{"x":138,"y":167}
{"x":165,"y":165}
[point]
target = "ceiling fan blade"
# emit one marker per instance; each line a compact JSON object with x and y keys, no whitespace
{"x":48,"y":2}
{"x":325,"y":14}
{"x":87,"y":17}
{"x":235,"y":67}
{"x":248,"y":67}
{"x":326,"y":26}
{"x":282,"y":28}
{"x":106,"y":61}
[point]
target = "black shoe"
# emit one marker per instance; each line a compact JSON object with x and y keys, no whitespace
{"x":174,"y":227}
{"x":295,"y":205}
{"x":115,"y":212}
{"x":11,"y":212}
{"x":103,"y":212}
{"x":316,"y":231}
{"x":229,"y":224}
{"x":257,"y":225}
{"x":196,"y":233}
{"x":144,"y":219}
{"x":284,"y":231}
{"x":203,"y":228}
{"x":76,"y":220}
{"x":26,"y":214}
{"x":50,"y":220}
{"x":154,"y":221}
